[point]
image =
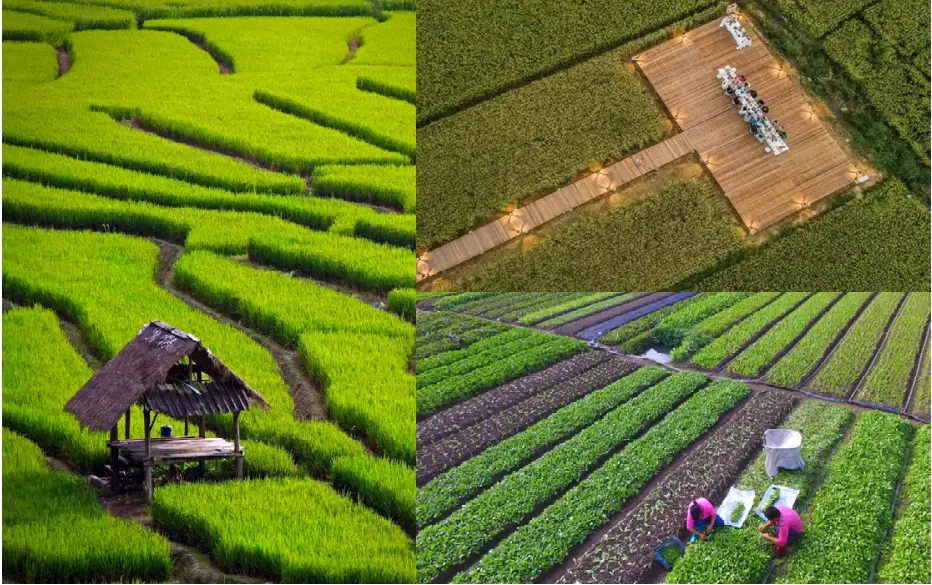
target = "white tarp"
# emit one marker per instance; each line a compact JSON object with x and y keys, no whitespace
{"x":787,"y":498}
{"x":782,"y":449}
{"x":735,"y":497}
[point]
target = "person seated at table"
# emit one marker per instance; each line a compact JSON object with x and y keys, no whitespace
{"x":740,"y":79}
{"x":760,"y":103}
{"x":730,"y":90}
{"x":753,"y":93}
{"x":736,"y":101}
{"x":701,"y":519}
{"x":765,"y":109}
{"x":788,"y":527}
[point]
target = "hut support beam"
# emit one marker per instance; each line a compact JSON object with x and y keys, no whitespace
{"x":147,"y":461}
{"x":126,"y":424}
{"x":236,"y":451}
{"x":202,"y":433}
{"x":114,"y":462}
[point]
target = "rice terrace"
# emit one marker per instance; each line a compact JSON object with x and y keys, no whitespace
{"x":602,"y":147}
{"x":562,"y":436}
{"x":208,"y":251}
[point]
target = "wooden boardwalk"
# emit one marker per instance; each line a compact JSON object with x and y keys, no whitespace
{"x":763,"y":188}
{"x":542,"y":210}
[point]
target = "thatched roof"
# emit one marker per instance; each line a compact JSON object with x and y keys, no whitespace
{"x":148,"y":362}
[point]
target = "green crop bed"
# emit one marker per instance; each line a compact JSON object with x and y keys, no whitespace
{"x":641,"y":329}
{"x":919,"y":403}
{"x":839,"y":374}
{"x":858,"y":490}
{"x":732,"y":340}
{"x":548,"y":538}
{"x":799,"y":361}
{"x":452,"y":541}
{"x":673,"y":328}
{"x":707,"y":330}
{"x":482,"y":354}
{"x":84,"y":16}
{"x":452,"y":357}
{"x":54,"y":531}
{"x":586,"y":310}
{"x":25,"y":26}
{"x":294,"y":531}
{"x":888,"y":381}
{"x":752,"y":360}
{"x":570,"y":304}
{"x":649,"y":244}
{"x":446,"y":491}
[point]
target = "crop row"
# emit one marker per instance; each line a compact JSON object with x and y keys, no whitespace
{"x":569,"y":304}
{"x":907,"y":553}
{"x":546,"y":540}
{"x":712,"y":327}
{"x":624,"y":553}
{"x":25,"y":26}
{"x":799,"y":361}
{"x":445,"y":545}
{"x":54,"y":531}
{"x":471,"y":411}
{"x":819,"y":17}
{"x":865,"y":471}
{"x":446,"y":491}
{"x":731,"y":341}
{"x":587,"y":310}
{"x":262,"y":527}
{"x":82,"y":17}
{"x":451,"y":302}
{"x":642,"y":328}
{"x":463,"y":336}
{"x":522,"y":305}
{"x":851,"y":356}
{"x":450,"y":358}
{"x":739,"y":556}
{"x":888,"y":381}
{"x":454,"y":449}
{"x":752,"y":360}
{"x":483,"y":354}
{"x":673,"y":328}
{"x":267,"y":239}
{"x":29,"y":63}
{"x":483,"y":305}
{"x":451,"y":390}
{"x":919,"y":404}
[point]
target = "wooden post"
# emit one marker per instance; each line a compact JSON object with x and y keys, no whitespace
{"x":147,"y":461}
{"x":186,"y":426}
{"x":114,"y":462}
{"x":126,"y":425}
{"x":236,"y":451}
{"x":202,"y":433}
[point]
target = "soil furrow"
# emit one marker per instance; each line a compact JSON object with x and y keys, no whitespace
{"x":455,"y":449}
{"x":478,"y":408}
{"x":574,"y":327}
{"x":879,"y":348}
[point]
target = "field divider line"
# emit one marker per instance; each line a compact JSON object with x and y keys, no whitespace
{"x":447,"y":575}
{"x":917,"y":367}
{"x":826,"y":356}
{"x":879,"y":348}
{"x":792,"y":344}
{"x":760,"y":332}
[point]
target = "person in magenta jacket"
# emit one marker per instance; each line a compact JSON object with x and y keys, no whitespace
{"x":788,"y":527}
{"x":701,"y":518}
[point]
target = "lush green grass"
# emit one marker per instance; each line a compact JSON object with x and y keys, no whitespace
{"x":391,"y":43}
{"x":888,"y":381}
{"x":377,"y":184}
{"x":265,"y":238}
{"x":642,"y":328}
{"x":472,"y":49}
{"x":795,"y":365}
{"x":291,"y":530}
{"x":150,"y":9}
{"x":907,"y":552}
{"x":646,"y":245}
{"x":25,"y":26}
{"x":673,"y":328}
{"x":711,"y":327}
{"x":54,"y":531}
{"x":84,"y":16}
{"x":528,"y":141}
{"x":28,"y":63}
{"x":359,"y":353}
{"x":842,"y":371}
{"x":382,"y":484}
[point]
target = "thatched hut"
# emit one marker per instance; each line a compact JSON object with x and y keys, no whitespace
{"x":163,"y":370}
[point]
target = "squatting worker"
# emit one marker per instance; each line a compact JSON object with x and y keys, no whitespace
{"x":788,"y":527}
{"x":701,"y":519}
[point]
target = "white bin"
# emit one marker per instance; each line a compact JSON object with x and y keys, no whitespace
{"x":782,"y":448}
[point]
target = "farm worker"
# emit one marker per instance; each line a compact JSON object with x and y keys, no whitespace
{"x":788,"y":525}
{"x":701,"y":519}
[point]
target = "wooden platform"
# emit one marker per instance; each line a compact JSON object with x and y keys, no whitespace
{"x":174,"y":450}
{"x":762,"y":187}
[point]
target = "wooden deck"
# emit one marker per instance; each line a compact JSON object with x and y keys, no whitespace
{"x":175,"y":449}
{"x":763,"y":188}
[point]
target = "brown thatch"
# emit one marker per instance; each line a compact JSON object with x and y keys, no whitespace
{"x":150,"y":361}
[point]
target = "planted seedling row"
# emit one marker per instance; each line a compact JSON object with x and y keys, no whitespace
{"x":479,"y":355}
{"x":917,"y":404}
{"x":586,"y":310}
{"x":711,"y":328}
{"x":555,"y":310}
{"x":446,"y":491}
{"x":444,"y":547}
{"x":477,"y":408}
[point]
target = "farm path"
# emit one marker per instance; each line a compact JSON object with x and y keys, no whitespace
{"x":306,"y":393}
{"x":543,"y":210}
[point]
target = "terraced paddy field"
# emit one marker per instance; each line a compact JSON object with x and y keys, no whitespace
{"x":562,"y":151}
{"x":580,"y":468}
{"x":244,"y":171}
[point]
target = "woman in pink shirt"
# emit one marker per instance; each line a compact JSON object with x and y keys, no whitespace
{"x":701,"y":518}
{"x":788,"y":527}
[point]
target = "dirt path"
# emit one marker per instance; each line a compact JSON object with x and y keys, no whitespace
{"x":306,"y":392}
{"x":353,"y":45}
{"x":64,"y":60}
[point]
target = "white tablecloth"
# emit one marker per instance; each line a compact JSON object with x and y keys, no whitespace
{"x":731,"y":24}
{"x":769,"y":133}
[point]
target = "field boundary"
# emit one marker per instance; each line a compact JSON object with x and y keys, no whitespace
{"x":917,"y":368}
